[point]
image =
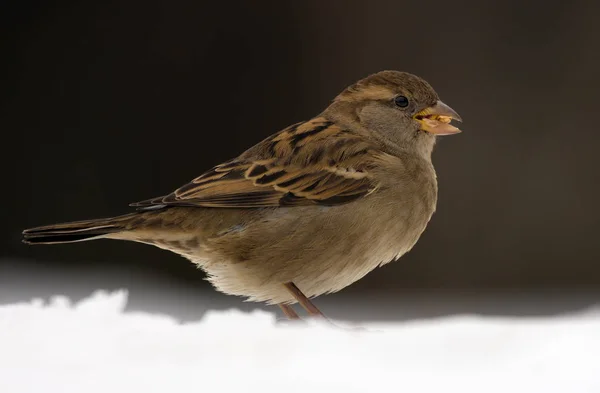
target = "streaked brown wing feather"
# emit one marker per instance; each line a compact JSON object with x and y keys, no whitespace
{"x":315,"y":162}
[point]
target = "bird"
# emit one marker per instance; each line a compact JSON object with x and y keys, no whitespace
{"x":307,"y":211}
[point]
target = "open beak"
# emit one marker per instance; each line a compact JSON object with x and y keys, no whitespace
{"x":436,"y":119}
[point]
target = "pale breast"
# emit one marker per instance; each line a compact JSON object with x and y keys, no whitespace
{"x":321,"y":249}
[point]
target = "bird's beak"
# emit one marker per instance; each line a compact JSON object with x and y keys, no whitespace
{"x":436,"y":119}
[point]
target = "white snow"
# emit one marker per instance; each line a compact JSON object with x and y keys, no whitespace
{"x":94,"y":346}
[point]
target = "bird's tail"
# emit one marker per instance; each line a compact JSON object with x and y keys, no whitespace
{"x":77,"y":231}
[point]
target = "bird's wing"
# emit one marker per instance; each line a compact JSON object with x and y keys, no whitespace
{"x":314,"y":162}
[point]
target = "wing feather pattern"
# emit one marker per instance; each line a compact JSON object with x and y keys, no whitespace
{"x":314,"y":162}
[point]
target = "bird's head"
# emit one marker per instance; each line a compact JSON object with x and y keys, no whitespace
{"x":399,"y":108}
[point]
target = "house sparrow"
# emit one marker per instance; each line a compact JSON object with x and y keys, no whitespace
{"x":310,"y":209}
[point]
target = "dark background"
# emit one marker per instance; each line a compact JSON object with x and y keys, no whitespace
{"x":107,"y":103}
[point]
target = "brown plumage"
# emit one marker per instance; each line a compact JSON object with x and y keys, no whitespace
{"x":301,"y":165}
{"x":307,"y":211}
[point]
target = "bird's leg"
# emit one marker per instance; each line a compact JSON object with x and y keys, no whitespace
{"x":288,"y":311}
{"x":303,"y":300}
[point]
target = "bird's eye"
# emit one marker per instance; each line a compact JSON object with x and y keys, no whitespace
{"x":401,"y":101}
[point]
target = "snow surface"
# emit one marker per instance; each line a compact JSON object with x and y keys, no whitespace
{"x":94,"y":346}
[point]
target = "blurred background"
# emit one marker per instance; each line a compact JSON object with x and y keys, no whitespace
{"x":107,"y":103}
